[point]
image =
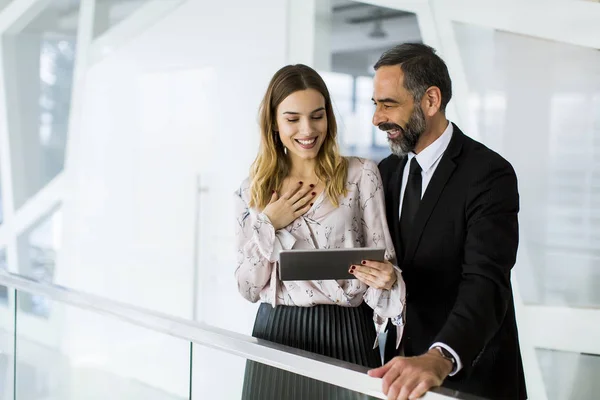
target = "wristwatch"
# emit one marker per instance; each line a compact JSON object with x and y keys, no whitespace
{"x":448,"y":356}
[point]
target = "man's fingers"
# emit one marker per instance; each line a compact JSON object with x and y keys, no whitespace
{"x":396,"y":388}
{"x":390,"y":383}
{"x":379,"y":372}
{"x":408,"y":378}
{"x":420,"y":390}
{"x":404,"y":392}
{"x":390,"y":374}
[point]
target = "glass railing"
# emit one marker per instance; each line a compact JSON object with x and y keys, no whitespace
{"x":90,"y":347}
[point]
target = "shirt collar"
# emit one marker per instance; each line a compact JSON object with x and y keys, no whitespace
{"x":434,"y":151}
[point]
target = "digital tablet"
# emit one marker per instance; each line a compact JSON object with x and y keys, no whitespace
{"x":323,"y":264}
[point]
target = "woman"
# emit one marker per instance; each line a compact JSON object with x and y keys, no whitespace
{"x":301,"y":194}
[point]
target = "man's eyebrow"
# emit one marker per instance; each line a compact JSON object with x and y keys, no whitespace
{"x":386,"y":100}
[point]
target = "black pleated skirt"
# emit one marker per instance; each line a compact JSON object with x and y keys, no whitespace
{"x":345,"y":333}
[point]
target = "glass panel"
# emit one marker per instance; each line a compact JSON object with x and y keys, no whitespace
{"x":537,"y":103}
{"x":79,"y":354}
{"x":341,"y":88}
{"x":4,"y":3}
{"x":109,"y":13}
{"x":6,"y":363}
{"x":37,"y":248}
{"x":569,"y":375}
{"x":252,"y":380}
{"x":7,"y":325}
{"x":38,"y":62}
{"x":3,"y":289}
{"x":358,"y":36}
{"x":1,"y":205}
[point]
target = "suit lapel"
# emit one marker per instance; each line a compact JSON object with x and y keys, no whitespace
{"x":434,"y":189}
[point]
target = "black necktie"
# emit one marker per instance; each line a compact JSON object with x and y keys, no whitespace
{"x":412,"y":198}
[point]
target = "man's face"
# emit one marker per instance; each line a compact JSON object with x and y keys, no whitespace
{"x":396,"y":112}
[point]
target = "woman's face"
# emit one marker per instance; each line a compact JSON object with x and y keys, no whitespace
{"x":302,"y":123}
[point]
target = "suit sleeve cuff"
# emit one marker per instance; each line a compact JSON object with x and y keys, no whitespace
{"x":456,"y":357}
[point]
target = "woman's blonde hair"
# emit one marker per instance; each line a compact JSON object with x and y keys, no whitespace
{"x":271,"y":165}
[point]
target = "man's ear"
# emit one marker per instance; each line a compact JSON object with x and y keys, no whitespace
{"x":432,"y":101}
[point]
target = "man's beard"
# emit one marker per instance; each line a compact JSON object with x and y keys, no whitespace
{"x":409,"y":135}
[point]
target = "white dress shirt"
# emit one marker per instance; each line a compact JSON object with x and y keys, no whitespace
{"x":428,"y":159}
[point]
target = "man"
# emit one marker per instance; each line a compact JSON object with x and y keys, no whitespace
{"x":452,"y":207}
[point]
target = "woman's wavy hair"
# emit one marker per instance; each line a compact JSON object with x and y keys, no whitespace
{"x":272,"y":165}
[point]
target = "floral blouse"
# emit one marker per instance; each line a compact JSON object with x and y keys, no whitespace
{"x":358,"y":221}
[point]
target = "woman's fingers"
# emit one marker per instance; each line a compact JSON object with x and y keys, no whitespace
{"x":293,"y":191}
{"x":375,"y":274}
{"x":302,"y":196}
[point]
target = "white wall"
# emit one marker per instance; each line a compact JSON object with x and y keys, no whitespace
{"x":179,"y":100}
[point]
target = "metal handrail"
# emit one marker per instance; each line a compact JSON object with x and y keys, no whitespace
{"x":329,"y":370}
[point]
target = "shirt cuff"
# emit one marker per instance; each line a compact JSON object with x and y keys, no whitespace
{"x":456,"y":357}
{"x":286,"y":239}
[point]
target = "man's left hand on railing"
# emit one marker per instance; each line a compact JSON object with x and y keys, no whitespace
{"x":411,"y":377}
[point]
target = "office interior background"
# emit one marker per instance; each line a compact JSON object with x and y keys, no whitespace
{"x":126,"y":126}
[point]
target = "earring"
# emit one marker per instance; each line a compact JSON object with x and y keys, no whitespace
{"x":278,"y":139}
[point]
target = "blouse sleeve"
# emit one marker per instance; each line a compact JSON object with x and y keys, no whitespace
{"x":385,"y":303}
{"x":258,"y":246}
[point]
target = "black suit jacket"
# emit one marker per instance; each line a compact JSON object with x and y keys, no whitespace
{"x":457,"y":265}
